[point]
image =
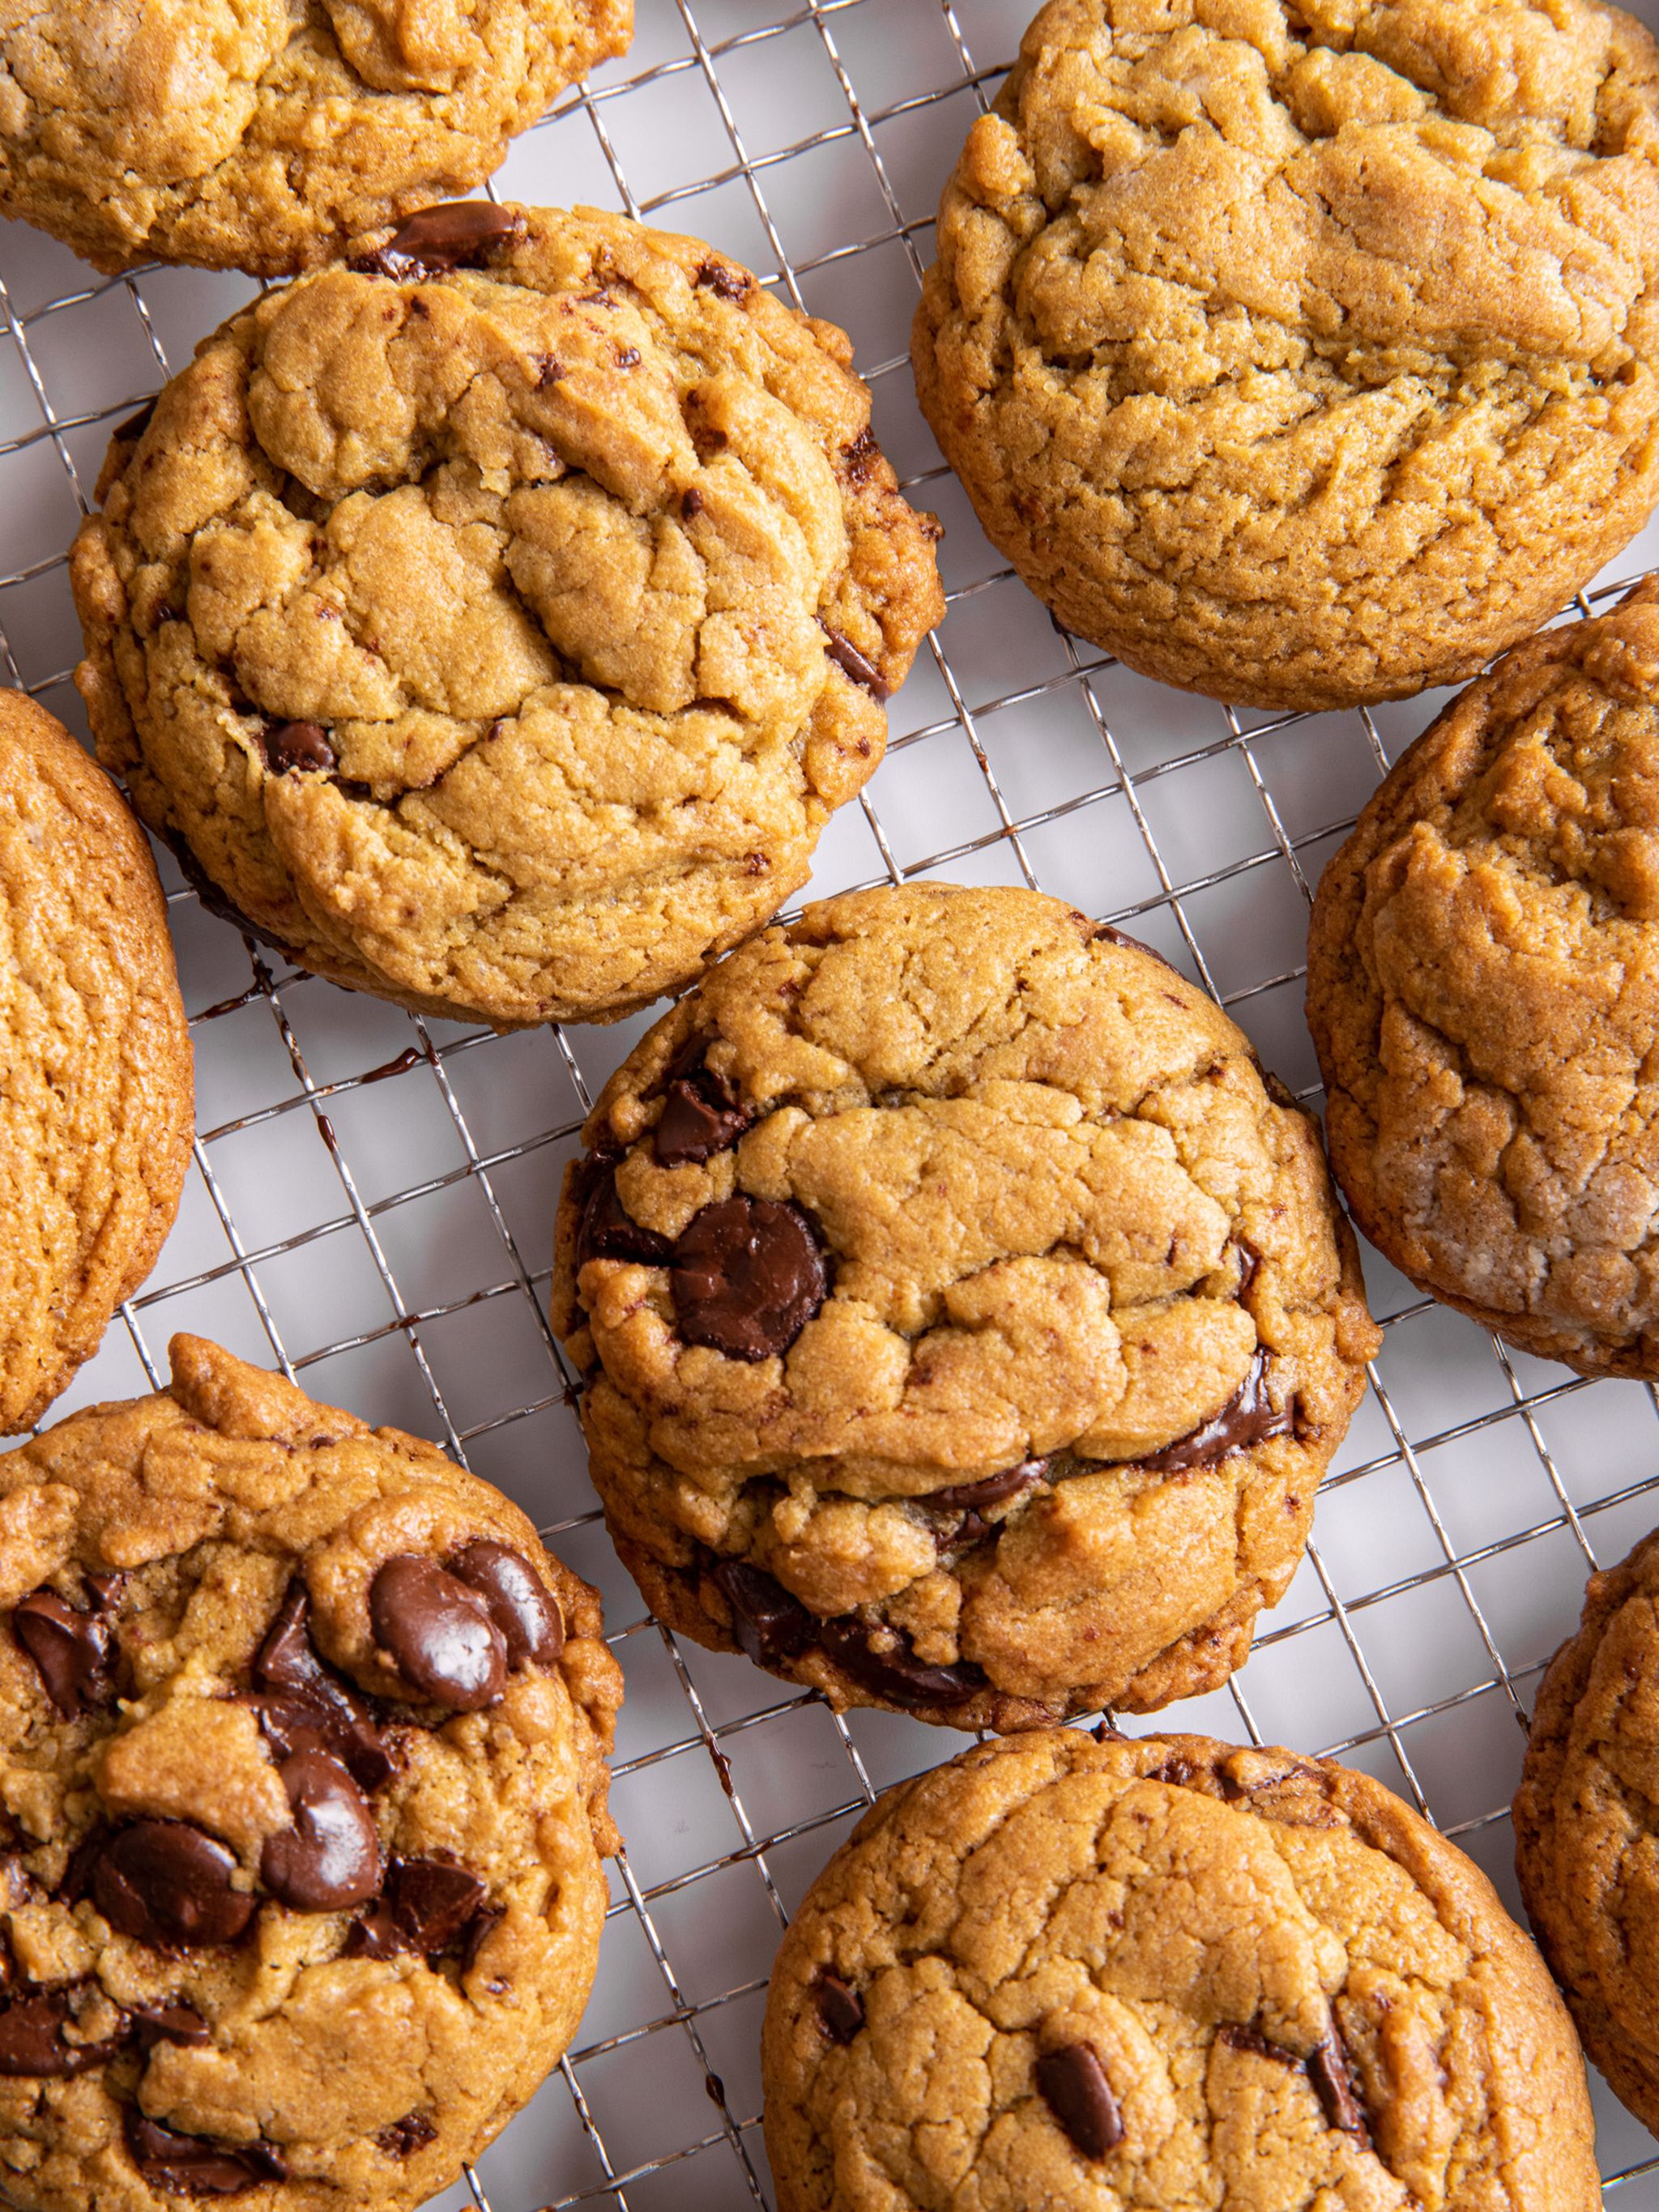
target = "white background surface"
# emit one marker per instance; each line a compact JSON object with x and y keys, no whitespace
{"x":402,"y":1271}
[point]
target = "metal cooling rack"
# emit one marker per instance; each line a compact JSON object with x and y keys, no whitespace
{"x":372,"y":1199}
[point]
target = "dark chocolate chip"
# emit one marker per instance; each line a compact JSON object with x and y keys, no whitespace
{"x":438,"y":1633}
{"x":294,"y":1724}
{"x":692,"y":504}
{"x":288,"y":1660}
{"x":71,"y":1650}
{"x":196,"y":2166}
{"x":517,"y":1599}
{"x":307,"y":1707}
{"x":454,"y":234}
{"x":1253,"y":2040}
{"x":487,"y":1918}
{"x":103,"y":1591}
{"x":1248,"y":1417}
{"x":290,"y":746}
{"x":76,"y":1878}
{"x":376,"y":1936}
{"x":769,"y":1624}
{"x":407,"y":2136}
{"x":747,"y":1277}
{"x":723,"y":280}
{"x":433,"y":1902}
{"x":1074,"y":2086}
{"x":1105,"y":931}
{"x":841,"y":2008}
{"x":31,"y":2042}
{"x":700,"y":1115}
{"x":1332,"y":2080}
{"x":329,"y":1859}
{"x":891,"y":1670}
{"x":166,"y":1883}
{"x":993,"y":1490}
{"x":853,"y":663}
{"x":169,"y":2023}
{"x":609,"y":1231}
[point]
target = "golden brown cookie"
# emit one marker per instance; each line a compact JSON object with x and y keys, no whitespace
{"x":1586,"y":1833}
{"x":245,"y":134}
{"x":1305,"y":354}
{"x":1163,"y":1973}
{"x":966,"y":1321}
{"x":1483,"y":987}
{"x":96,"y":1103}
{"x":303,"y":1801}
{"x":496,"y":621}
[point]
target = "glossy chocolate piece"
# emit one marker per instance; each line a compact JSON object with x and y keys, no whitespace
{"x":305,"y":1707}
{"x":520,"y":1604}
{"x":453,"y":235}
{"x":841,"y":2008}
{"x":747,"y":1277}
{"x":1332,"y":2076}
{"x":769,"y":1624}
{"x":71,"y":1650}
{"x":1248,"y":1417}
{"x":290,"y":747}
{"x":993,"y":1490}
{"x":329,"y":1859}
{"x":197,"y":2165}
{"x":31,"y":2043}
{"x":700,"y":1113}
{"x":895,"y":1674}
{"x":169,"y":2023}
{"x":853,"y":663}
{"x":1073,"y":2084}
{"x":407,"y":2136}
{"x":438,"y":1633}
{"x":430,"y":1906}
{"x":609,"y":1231}
{"x":166,"y":1883}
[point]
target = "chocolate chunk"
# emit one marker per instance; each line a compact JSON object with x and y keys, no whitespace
{"x":841,"y":2008}
{"x":769,"y":1624}
{"x":329,"y":1859}
{"x":483,"y":1921}
{"x":858,"y":458}
{"x":435,"y":1902}
{"x":169,"y":2023}
{"x":1332,"y":2080}
{"x":892,"y":1671}
{"x":76,"y":1878}
{"x":454,"y":234}
{"x":167,"y":1883}
{"x":747,"y":1277}
{"x":700,"y":1115}
{"x":308,"y":1707}
{"x":407,"y":2136}
{"x":71,"y":1651}
{"x":994,"y":1490}
{"x":197,"y":2165}
{"x":291,"y":746}
{"x":288,"y":1660}
{"x":1074,"y":2086}
{"x":376,"y":1936}
{"x":438,"y":1633}
{"x":723,"y":280}
{"x":1248,"y":1417}
{"x":31,"y":2042}
{"x":1107,"y":934}
{"x":851,"y":663}
{"x":103,"y":1591}
{"x":609,"y":1231}
{"x":1253,"y":2040}
{"x":519,"y":1601}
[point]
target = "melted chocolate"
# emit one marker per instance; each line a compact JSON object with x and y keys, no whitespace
{"x":407,"y":2136}
{"x":993,"y":1490}
{"x":895,"y":1672}
{"x":290,"y":746}
{"x":71,"y":1651}
{"x":169,"y":2023}
{"x":166,"y":1883}
{"x":769,"y":1624}
{"x":197,"y":2165}
{"x":1329,"y":2071}
{"x":430,"y":1906}
{"x":454,"y":234}
{"x":520,"y":1602}
{"x":700,"y":1115}
{"x":305,"y":1707}
{"x":329,"y":1859}
{"x":1073,"y":2084}
{"x":853,"y":663}
{"x":1248,"y":1417}
{"x":31,"y":2042}
{"x":609,"y":1231}
{"x":747,"y":1277}
{"x":438,"y":1633}
{"x":723,"y":280}
{"x":841,"y":2008}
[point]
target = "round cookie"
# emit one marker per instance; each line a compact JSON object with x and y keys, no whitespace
{"x":497,"y":621}
{"x":97,"y":1102}
{"x":262,"y":137}
{"x":1305,"y":354}
{"x":944,"y":1270}
{"x":1078,"y":1974}
{"x":1586,"y":1843}
{"x":1483,"y":989}
{"x":301,"y":1805}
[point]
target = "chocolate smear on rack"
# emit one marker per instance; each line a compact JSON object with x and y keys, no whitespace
{"x":747,"y":1277}
{"x":71,"y":1651}
{"x":520,"y":1602}
{"x":438,"y":1633}
{"x":1073,"y":2084}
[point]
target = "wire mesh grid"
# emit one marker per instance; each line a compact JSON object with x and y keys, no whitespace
{"x":371,"y":1197}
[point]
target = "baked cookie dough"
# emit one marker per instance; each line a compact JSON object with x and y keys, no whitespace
{"x":497,"y":621}
{"x":965,"y":1321}
{"x":302,"y":1801}
{"x":262,"y":137}
{"x":1078,"y":1974}
{"x":96,"y":1098}
{"x":1586,"y":1833}
{"x":1305,"y":354}
{"x":1483,"y":989}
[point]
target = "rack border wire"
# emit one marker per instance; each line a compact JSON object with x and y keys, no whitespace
{"x":1125,"y":774}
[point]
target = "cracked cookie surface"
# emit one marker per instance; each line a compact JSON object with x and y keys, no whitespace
{"x":303,"y":1798}
{"x":97,"y":1107}
{"x":497,"y":621}
{"x":262,"y":134}
{"x":1308,"y":354}
{"x":965,"y":1323}
{"x":1159,"y":1973}
{"x":1483,"y":989}
{"x":1586,"y":1839}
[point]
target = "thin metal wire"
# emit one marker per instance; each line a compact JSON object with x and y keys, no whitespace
{"x":1137,"y":787}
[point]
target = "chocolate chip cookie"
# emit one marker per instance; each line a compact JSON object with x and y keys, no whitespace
{"x":1305,"y":352}
{"x":301,"y":1805}
{"x":96,"y":1102}
{"x":1585,"y":1826}
{"x":941,"y":1271}
{"x":1483,"y":987}
{"x":263,"y":137}
{"x":1080,"y":1974}
{"x":496,"y":621}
